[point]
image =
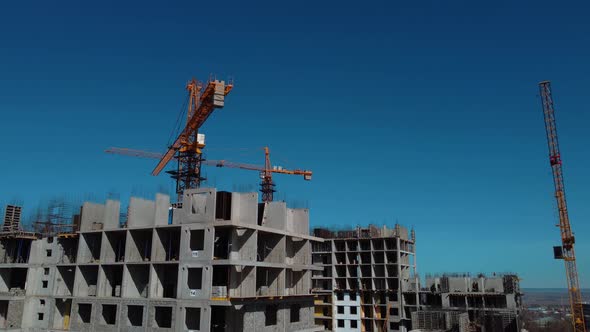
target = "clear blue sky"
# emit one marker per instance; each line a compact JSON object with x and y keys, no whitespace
{"x":421,"y":112}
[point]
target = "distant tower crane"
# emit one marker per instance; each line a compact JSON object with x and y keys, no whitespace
{"x":186,"y":149}
{"x":267,"y":185}
{"x":566,"y":251}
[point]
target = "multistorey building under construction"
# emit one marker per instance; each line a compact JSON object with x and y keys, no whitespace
{"x":460,"y":302}
{"x":369,"y":283}
{"x":365,"y":277}
{"x":219,"y":261}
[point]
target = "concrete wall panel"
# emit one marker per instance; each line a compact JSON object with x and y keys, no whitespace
{"x":141,"y":213}
{"x":198,"y":206}
{"x":244,"y":208}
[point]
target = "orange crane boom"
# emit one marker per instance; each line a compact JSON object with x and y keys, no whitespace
{"x":566,"y":251}
{"x":267,"y":185}
{"x":187,"y":146}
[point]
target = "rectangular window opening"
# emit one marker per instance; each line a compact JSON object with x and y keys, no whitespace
{"x":270,"y":315}
{"x":223,"y":205}
{"x":195,"y":278}
{"x":197,"y":239}
{"x":193,"y":319}
{"x":295,"y":308}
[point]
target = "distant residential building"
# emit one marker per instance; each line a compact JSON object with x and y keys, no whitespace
{"x":368,"y":280}
{"x":461,"y":302}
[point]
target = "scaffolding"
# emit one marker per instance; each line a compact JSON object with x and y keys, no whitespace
{"x":58,"y":220}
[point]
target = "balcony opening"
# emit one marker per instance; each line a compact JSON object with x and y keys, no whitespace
{"x":137,"y":285}
{"x":114,"y":250}
{"x":65,"y":281}
{"x":167,"y":245}
{"x":218,"y":319}
{"x":222,"y":245}
{"x":379,"y":271}
{"x":296,"y":251}
{"x":377,"y":244}
{"x":270,"y":314}
{"x":220,"y":281}
{"x":68,"y":249}
{"x":365,"y":245}
{"x":163,"y":317}
{"x":90,"y":252}
{"x":87,"y":284}
{"x":141,"y":246}
{"x":271,"y":248}
{"x":378,"y":257}
{"x":62,"y":310}
{"x":84,"y":312}
{"x":268,"y":282}
{"x":113,"y":278}
{"x":3,"y":313}
{"x":109,"y":314}
{"x":134,"y":315}
{"x":166,"y":280}
{"x":15,"y":250}
{"x":13,"y":280}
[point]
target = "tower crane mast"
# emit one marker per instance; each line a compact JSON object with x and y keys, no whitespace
{"x":186,"y":149}
{"x":566,"y":251}
{"x":203,"y":99}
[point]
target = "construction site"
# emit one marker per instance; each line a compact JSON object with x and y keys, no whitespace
{"x":221,"y":262}
{"x":214,"y":260}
